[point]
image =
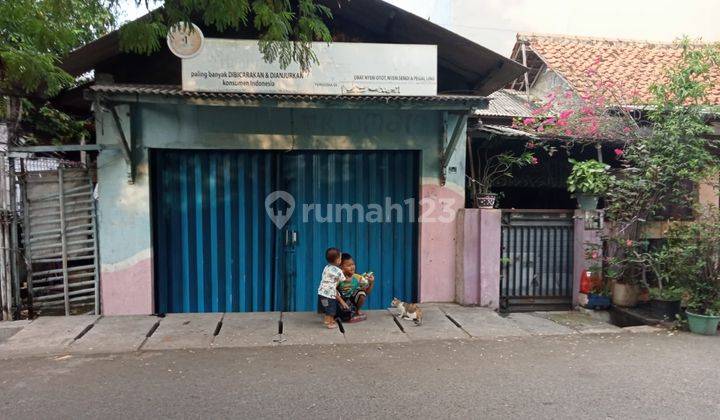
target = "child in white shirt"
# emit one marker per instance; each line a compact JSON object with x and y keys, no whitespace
{"x":328,"y":296}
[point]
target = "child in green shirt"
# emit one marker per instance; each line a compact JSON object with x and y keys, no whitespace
{"x":354,"y":287}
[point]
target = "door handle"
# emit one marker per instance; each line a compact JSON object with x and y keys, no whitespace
{"x":294,"y":237}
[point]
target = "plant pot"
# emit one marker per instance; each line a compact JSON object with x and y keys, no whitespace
{"x":587,"y":202}
{"x":665,"y":309}
{"x":486,"y":201}
{"x":625,"y":295}
{"x":703,"y":324}
{"x":597,"y":302}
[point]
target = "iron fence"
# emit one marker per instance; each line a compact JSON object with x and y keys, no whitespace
{"x":536,"y":260}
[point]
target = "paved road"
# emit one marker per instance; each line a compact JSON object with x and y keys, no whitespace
{"x":580,"y":376}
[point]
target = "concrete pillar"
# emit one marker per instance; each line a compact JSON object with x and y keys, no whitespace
{"x":587,"y":235}
{"x":477,"y":263}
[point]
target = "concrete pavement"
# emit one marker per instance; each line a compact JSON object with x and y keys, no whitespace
{"x":118,"y":334}
{"x":572,"y":376}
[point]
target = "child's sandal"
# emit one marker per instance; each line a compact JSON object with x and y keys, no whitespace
{"x":331,"y":325}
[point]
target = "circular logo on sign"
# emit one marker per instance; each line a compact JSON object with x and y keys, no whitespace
{"x":185,"y":41}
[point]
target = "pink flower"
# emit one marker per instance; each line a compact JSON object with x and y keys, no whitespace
{"x":529,"y":121}
{"x":550,"y":120}
{"x":541,"y":128}
{"x":562,"y":123}
{"x":568,"y":132}
{"x":626,"y":130}
{"x":566,"y":114}
{"x":629,"y":243}
{"x":619,"y":152}
{"x":534,"y":160}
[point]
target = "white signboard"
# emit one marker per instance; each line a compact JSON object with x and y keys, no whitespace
{"x":226,"y":65}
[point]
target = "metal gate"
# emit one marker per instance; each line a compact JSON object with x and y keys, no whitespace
{"x":536,"y":260}
{"x":343,"y":187}
{"x":60,"y":240}
{"x":216,"y":248}
{"x":214,"y":245}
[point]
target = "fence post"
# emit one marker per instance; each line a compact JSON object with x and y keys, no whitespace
{"x":63,"y":239}
{"x":4,"y":235}
{"x":14,"y":245}
{"x":588,"y":233}
{"x":477,"y":278}
{"x":96,"y":249}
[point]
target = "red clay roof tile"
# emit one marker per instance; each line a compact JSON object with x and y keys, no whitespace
{"x":633,"y":65}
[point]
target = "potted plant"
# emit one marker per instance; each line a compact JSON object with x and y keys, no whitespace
{"x":694,"y":248}
{"x":624,"y":271}
{"x":599,"y":297}
{"x":665,"y":301}
{"x":666,"y":298}
{"x":494,"y":168}
{"x":625,"y":292}
{"x":588,"y":180}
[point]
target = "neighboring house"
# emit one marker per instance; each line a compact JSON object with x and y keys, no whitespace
{"x":182,"y":212}
{"x":560,"y":63}
{"x":535,"y":248}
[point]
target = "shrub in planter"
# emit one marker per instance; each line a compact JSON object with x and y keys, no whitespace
{"x":666,"y":298}
{"x":588,"y":180}
{"x":625,"y":272}
{"x":694,"y":248}
{"x":599,"y":297}
{"x":665,"y":302}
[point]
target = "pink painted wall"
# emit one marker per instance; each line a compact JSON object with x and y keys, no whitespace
{"x":128,"y":290}
{"x":477,"y":265}
{"x":438,"y":210}
{"x":490,"y":244}
{"x":467,"y":254}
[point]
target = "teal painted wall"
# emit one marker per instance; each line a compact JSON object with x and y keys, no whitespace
{"x":124,"y":208}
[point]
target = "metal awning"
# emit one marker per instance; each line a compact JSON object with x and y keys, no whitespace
{"x":130,"y":93}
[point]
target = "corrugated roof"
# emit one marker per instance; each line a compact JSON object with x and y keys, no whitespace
{"x":508,"y":103}
{"x":176,"y":91}
{"x":505,"y":131}
{"x":633,"y":66}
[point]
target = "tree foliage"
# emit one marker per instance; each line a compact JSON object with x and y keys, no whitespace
{"x":286,"y":28}
{"x":37,"y":34}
